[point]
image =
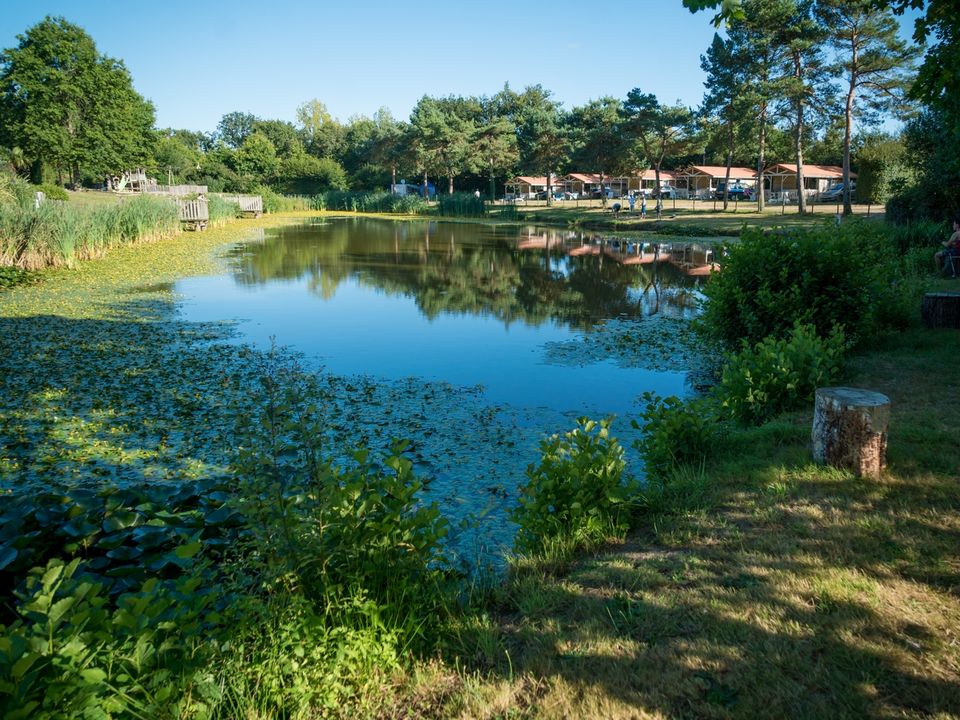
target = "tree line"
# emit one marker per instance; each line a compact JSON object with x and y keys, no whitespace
{"x":793,"y":81}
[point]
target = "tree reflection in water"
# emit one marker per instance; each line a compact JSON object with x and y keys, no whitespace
{"x":530,"y":275}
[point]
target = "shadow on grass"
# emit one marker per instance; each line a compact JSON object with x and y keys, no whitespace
{"x":790,"y":590}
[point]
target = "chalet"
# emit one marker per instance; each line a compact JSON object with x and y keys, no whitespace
{"x":526,"y":187}
{"x":647,"y":180}
{"x":701,"y":180}
{"x":781,"y":179}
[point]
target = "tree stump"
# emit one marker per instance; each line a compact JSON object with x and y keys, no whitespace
{"x":941,"y":310}
{"x":850,"y":429}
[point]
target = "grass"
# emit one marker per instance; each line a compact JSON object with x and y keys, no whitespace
{"x":760,"y":586}
{"x":765,"y":587}
{"x":680,"y":217}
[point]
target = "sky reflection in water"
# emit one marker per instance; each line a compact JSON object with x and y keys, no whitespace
{"x":464,"y":303}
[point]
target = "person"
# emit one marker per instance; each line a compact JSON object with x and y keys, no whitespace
{"x":616,"y":209}
{"x":643,"y":206}
{"x":948,"y":258}
{"x":631,"y":198}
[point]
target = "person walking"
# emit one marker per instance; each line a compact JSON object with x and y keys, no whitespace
{"x":643,"y":206}
{"x":632,"y":199}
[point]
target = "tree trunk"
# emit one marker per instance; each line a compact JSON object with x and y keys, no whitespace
{"x":450,"y":184}
{"x":941,"y":310}
{"x":393,"y":177}
{"x":850,"y":429}
{"x":761,"y":159}
{"x":603,"y":190}
{"x":549,"y":189}
{"x":798,"y":135}
{"x":726,"y":177}
{"x":848,"y":129}
{"x":426,"y":193}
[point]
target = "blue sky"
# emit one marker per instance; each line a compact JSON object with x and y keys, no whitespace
{"x":199,"y":60}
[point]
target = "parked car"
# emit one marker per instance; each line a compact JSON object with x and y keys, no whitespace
{"x":736,"y":192}
{"x":667,"y":192}
{"x":542,"y":195}
{"x":835,"y":192}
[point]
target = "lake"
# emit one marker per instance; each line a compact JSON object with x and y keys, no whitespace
{"x":491,"y":336}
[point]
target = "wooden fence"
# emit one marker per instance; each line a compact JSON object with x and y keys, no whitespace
{"x":178,"y":190}
{"x":248,"y":204}
{"x":194,"y":214}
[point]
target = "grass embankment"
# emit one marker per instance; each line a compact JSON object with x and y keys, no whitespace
{"x":766,"y":586}
{"x":679,"y":218}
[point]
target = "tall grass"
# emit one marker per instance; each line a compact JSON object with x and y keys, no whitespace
{"x":56,"y":234}
{"x":378,"y":202}
{"x":461,"y":205}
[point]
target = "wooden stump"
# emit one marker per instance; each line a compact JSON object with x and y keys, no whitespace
{"x":941,"y":310}
{"x":850,"y":429}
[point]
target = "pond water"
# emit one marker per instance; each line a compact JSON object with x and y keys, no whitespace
{"x":521,"y":329}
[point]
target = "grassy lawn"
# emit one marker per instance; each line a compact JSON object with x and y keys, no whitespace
{"x":765,"y":587}
{"x":682,"y":216}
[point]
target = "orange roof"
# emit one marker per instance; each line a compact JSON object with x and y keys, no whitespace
{"x":650,"y":174}
{"x":719,"y":171}
{"x":584,"y":177}
{"x":811,"y":171}
{"x":528,"y":180}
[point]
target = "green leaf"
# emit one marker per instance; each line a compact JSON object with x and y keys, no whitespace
{"x":189,"y":550}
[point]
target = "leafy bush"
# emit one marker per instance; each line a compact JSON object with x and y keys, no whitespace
{"x":338,"y":530}
{"x":461,"y":205}
{"x":824,"y":277}
{"x":577,"y":493}
{"x":677,"y":434}
{"x":53,"y":192}
{"x":779,"y":374}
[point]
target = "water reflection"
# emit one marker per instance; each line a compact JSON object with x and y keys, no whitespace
{"x":531,"y":275}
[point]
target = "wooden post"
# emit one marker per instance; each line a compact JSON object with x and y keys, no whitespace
{"x":850,"y":429}
{"x":941,"y":310}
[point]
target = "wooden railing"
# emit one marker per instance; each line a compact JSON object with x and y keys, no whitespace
{"x":246,"y":203}
{"x":194,"y":211}
{"x":178,"y":190}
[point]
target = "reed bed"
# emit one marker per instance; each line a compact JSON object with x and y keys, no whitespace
{"x":57,"y":234}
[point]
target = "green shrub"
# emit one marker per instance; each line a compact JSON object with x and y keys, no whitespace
{"x":53,"y":192}
{"x":340,"y":530}
{"x":779,"y":374}
{"x":461,"y":205}
{"x":577,"y":493}
{"x":825,"y":277}
{"x":677,"y":433}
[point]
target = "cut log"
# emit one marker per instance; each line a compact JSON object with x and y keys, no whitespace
{"x":941,"y":310}
{"x":850,"y":429}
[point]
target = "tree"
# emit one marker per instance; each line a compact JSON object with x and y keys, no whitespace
{"x":803,"y":80}
{"x":600,"y":142}
{"x":663,"y":131}
{"x":543,"y":136}
{"x":322,"y":135}
{"x":874,"y":61}
{"x":725,"y":85}
{"x":495,"y":146}
{"x":257,"y":157}
{"x":442,"y":137}
{"x":883,"y":168}
{"x":65,"y":104}
{"x":282,"y":134}
{"x":235,"y":127}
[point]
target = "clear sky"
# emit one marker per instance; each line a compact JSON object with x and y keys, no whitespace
{"x":199,"y":60}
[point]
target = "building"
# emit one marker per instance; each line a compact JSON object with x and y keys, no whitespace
{"x":701,"y":181}
{"x":781,"y":180}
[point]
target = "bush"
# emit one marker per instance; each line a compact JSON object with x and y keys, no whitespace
{"x":677,"y":434}
{"x":828,"y":277}
{"x":577,"y":493}
{"x":53,"y":192}
{"x":779,"y":374}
